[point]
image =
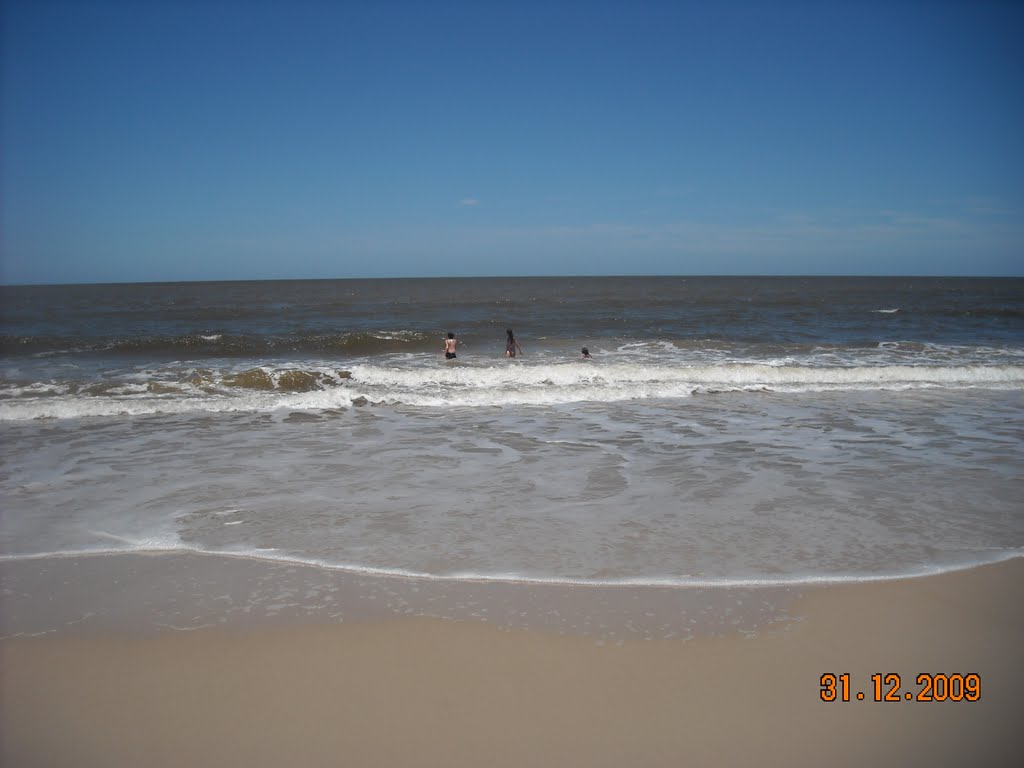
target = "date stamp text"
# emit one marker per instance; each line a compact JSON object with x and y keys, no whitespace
{"x":889,"y":686}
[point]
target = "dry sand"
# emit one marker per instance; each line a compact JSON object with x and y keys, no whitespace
{"x":434,"y":692}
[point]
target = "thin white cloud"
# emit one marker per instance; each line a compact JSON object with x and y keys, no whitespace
{"x":468,"y":202}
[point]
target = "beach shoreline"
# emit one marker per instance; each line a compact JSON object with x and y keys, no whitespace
{"x":147,"y":592}
{"x":379,"y":688}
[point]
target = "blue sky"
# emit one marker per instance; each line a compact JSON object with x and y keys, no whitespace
{"x":255,"y":140}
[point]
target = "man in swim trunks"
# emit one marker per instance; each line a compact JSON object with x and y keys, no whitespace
{"x":449,"y":346}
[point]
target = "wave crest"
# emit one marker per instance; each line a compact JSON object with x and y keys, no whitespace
{"x":265,"y":388}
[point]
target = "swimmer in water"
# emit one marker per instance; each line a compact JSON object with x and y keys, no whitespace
{"x":511,"y":345}
{"x":449,"y":346}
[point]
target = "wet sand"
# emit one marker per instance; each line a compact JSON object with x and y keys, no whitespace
{"x":389,"y":690}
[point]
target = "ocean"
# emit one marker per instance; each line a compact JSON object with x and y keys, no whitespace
{"x":725,"y":431}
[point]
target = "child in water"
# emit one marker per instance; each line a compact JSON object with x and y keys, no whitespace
{"x":449,"y":346}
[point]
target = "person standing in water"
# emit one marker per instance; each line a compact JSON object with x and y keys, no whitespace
{"x":449,"y":346}
{"x":511,"y":345}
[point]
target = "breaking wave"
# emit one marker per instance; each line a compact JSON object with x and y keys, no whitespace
{"x":265,"y":388}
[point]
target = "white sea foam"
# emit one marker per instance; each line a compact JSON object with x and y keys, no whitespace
{"x":502,"y":385}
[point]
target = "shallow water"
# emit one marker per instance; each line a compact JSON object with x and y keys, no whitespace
{"x":715,"y":489}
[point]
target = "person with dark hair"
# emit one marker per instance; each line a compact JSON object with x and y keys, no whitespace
{"x":511,"y":345}
{"x":449,"y":346}
{"x":585,"y":353}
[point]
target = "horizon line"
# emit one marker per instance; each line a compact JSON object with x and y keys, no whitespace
{"x":759,"y":275}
